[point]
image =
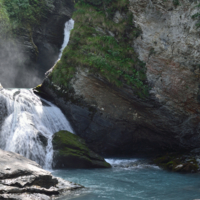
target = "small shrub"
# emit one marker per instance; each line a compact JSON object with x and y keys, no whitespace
{"x":26,"y":11}
{"x":176,"y":2}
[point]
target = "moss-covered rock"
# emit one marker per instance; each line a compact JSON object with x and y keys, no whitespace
{"x":178,"y":162}
{"x":70,"y":151}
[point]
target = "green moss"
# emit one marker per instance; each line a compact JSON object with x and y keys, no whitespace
{"x":27,"y":11}
{"x":39,"y":91}
{"x":196,"y":16}
{"x":4,"y":19}
{"x":178,"y":163}
{"x":38,"y":88}
{"x":71,"y":148}
{"x":65,"y":140}
{"x":176,"y":2}
{"x":106,"y":165}
{"x":93,"y":48}
{"x":15,"y":14}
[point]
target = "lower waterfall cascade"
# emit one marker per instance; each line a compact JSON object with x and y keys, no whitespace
{"x":29,"y":125}
{"x":29,"y":122}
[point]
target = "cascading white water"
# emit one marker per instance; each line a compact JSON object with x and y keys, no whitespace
{"x":30,"y":121}
{"x":69,"y":25}
{"x":29,"y":125}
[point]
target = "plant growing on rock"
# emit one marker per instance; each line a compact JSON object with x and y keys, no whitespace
{"x":197,"y":17}
{"x":4,"y":18}
{"x":103,"y":47}
{"x":26,"y":11}
{"x":176,"y":2}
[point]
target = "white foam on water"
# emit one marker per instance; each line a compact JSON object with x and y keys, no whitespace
{"x":131,"y":163}
{"x":29,"y":125}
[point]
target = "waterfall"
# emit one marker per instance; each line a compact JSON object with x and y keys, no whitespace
{"x":29,"y":125}
{"x":69,"y":25}
{"x":27,"y":122}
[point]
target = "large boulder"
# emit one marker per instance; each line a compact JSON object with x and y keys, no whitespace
{"x":21,"y":178}
{"x":70,"y":151}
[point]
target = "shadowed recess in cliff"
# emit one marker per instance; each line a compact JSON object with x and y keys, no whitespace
{"x":14,"y":71}
{"x":16,"y":68}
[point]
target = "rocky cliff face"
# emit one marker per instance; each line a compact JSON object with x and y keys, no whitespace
{"x":170,"y":47}
{"x":115,"y":120}
{"x":33,"y":49}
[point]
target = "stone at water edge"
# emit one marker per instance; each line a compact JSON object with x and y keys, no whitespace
{"x":180,"y":162}
{"x":70,"y":151}
{"x":21,"y":179}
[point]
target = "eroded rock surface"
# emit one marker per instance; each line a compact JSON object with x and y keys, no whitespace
{"x":170,"y":47}
{"x":21,"y":178}
{"x":114,"y":120}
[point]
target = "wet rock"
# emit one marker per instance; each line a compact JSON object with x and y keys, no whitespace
{"x":21,"y":178}
{"x":3,"y":109}
{"x":179,"y":162}
{"x":43,"y":139}
{"x":70,"y":151}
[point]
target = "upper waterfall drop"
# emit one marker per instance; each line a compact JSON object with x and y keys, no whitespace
{"x":69,"y":25}
{"x":29,"y":124}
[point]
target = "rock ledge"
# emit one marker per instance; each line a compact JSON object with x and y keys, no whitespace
{"x":23,"y":179}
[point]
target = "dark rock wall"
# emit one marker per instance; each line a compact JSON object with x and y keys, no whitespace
{"x":114,"y":120}
{"x":49,"y":36}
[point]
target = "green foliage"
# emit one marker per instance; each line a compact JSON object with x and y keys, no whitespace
{"x":4,"y":18}
{"x":107,"y":6}
{"x":196,"y":16}
{"x":92,"y":47}
{"x":26,"y":11}
{"x":65,"y":139}
{"x":176,"y":2}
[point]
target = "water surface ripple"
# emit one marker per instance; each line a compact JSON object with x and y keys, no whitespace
{"x":132,"y":179}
